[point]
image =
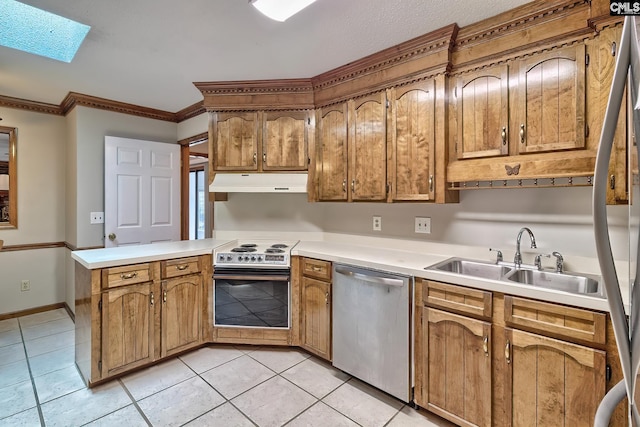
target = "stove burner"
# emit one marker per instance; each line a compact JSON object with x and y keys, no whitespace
{"x":273,"y":250}
{"x":279,"y":246}
{"x":243,"y":249}
{"x":248,"y":245}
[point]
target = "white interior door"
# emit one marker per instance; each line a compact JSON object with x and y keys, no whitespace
{"x":141,"y":191}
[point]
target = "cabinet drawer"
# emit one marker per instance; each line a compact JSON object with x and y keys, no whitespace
{"x":179,"y":267}
{"x":126,"y":275}
{"x":570,"y":323}
{"x":316,"y":268}
{"x":472,"y":302}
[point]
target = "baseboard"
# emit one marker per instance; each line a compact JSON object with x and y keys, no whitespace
{"x":33,"y":310}
{"x":69,"y":312}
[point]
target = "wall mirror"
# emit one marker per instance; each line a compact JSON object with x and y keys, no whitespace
{"x":8,"y":177}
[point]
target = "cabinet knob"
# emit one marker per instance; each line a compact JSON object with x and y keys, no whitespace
{"x":430,"y":183}
{"x":485,"y":345}
{"x":152,"y":300}
{"x":507,"y":352}
{"x":255,"y":158}
{"x":164,"y":296}
{"x":264,"y":158}
{"x":344,"y":185}
{"x":521,"y":133}
{"x":353,"y":185}
{"x":326,"y":298}
{"x":504,"y":135}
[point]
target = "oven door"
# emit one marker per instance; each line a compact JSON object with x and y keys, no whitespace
{"x":251,"y":297}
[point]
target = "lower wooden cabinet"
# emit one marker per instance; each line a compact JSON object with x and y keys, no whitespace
{"x":128,"y":319}
{"x":316,"y":317}
{"x":458,"y":374}
{"x":549,"y":382}
{"x":180,"y":314}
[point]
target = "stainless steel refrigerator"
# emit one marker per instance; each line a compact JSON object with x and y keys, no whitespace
{"x":625,"y":322}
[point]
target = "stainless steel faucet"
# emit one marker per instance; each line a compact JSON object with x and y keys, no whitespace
{"x":559,"y":262}
{"x":517,"y":259}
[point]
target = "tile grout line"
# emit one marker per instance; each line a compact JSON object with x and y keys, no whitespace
{"x":134,"y":401}
{"x":33,"y":382}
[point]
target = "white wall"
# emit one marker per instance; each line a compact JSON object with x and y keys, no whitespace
{"x":194,"y":126}
{"x":559,"y":217}
{"x":41,"y":212}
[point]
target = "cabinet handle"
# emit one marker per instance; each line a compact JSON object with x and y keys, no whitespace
{"x":164,"y":296}
{"x":153,"y":301}
{"x":326,"y":298}
{"x":485,"y":345}
{"x":507,"y":352}
{"x":522,"y":133}
{"x":353,"y":185}
{"x":504,"y":135}
{"x":316,"y":268}
{"x":344,"y":185}
{"x":430,"y":183}
{"x":182,"y":267}
{"x":128,"y":276}
{"x":264,"y":158}
{"x":255,"y":158}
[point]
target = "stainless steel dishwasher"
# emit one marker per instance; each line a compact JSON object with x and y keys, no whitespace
{"x":371,"y":333}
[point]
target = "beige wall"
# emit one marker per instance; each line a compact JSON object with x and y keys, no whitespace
{"x":194,"y":126}
{"x":41,"y":212}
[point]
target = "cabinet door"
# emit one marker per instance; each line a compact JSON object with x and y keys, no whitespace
{"x":458,"y":375}
{"x":550,"y":382}
{"x":181,"y":313}
{"x":368,"y":147}
{"x":235,"y":141}
{"x":316,"y":317}
{"x":482,"y":102}
{"x":411,"y":152}
{"x":551,"y":101}
{"x":332,"y":152}
{"x":128,"y":318}
{"x":285,"y":140}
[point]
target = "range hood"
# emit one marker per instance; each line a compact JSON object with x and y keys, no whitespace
{"x":259,"y":183}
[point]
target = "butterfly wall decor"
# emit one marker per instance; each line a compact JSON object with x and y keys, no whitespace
{"x":515,"y":170}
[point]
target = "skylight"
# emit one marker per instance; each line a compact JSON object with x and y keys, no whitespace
{"x":36,"y":31}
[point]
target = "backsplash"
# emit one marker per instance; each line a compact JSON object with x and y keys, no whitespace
{"x":559,"y":217}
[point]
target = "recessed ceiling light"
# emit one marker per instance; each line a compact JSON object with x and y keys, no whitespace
{"x":36,"y":31}
{"x":280,"y":10}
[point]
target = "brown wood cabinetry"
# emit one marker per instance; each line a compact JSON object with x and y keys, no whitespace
{"x":368,"y":148}
{"x":315,"y":307}
{"x":181,"y":314}
{"x":411,"y":149}
{"x":235,"y":139}
{"x":550,"y":382}
{"x":485,"y":358}
{"x":121,"y":326}
{"x":453,"y":353}
{"x":285,"y":138}
{"x":128,"y":328}
{"x":332,"y":152}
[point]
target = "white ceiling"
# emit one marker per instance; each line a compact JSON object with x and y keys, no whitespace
{"x":148,"y":52}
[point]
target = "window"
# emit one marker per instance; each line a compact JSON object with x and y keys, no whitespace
{"x":197,"y":204}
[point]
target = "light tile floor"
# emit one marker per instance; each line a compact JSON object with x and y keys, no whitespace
{"x":213,"y":386}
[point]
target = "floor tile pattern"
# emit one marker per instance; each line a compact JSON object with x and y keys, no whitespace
{"x":219,"y":385}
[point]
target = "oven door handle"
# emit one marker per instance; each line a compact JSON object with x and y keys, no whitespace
{"x":249,"y":277}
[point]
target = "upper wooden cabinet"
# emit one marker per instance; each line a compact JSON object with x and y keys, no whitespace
{"x":411,"y":149}
{"x":483,"y":113}
{"x":551,"y":106}
{"x":368,"y":147}
{"x":285,"y":138}
{"x":260,"y":141}
{"x":331,"y":143}
{"x":234,"y":139}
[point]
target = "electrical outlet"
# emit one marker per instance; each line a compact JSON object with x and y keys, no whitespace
{"x":25,"y":285}
{"x":97,"y":218}
{"x":377,"y":223}
{"x":423,"y":225}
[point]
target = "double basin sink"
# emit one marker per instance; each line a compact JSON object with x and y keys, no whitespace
{"x":525,"y":275}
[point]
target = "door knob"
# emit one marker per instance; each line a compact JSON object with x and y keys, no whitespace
{"x":112,"y":236}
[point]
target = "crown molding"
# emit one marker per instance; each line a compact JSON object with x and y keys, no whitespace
{"x":35,"y":106}
{"x":190,"y":111}
{"x":74,"y":99}
{"x":201,"y":137}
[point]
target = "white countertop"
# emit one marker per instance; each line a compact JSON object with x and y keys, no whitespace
{"x":374,"y":254}
{"x":122,"y":255}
